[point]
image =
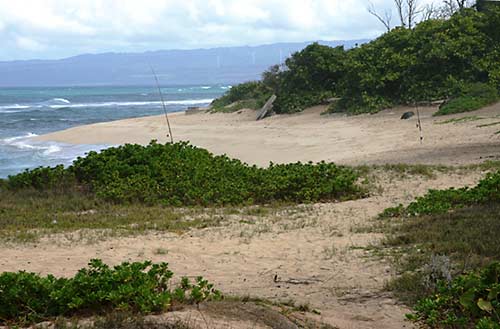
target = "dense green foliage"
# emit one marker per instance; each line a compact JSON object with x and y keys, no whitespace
{"x":310,"y":79}
{"x":251,"y":95}
{"x":180,"y":174}
{"x":469,"y":301}
{"x":471,"y":98}
{"x":437,"y":59}
{"x":139,"y":287}
{"x":441,"y":201}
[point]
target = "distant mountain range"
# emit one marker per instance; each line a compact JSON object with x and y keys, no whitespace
{"x":227,"y":65}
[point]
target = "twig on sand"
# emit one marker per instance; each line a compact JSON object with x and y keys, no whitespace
{"x":304,"y":281}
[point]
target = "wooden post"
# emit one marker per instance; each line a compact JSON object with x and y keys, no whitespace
{"x":266,"y":108}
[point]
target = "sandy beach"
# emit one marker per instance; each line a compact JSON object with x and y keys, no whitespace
{"x":325,"y":247}
{"x":310,"y":136}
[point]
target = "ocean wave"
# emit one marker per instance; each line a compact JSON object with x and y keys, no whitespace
{"x":119,"y":104}
{"x":5,"y":109}
{"x":26,"y":143}
{"x":60,"y":100}
{"x":54,"y":102}
{"x":191,"y":101}
{"x":13,"y":108}
{"x":52,"y":149}
{"x":9,"y":140}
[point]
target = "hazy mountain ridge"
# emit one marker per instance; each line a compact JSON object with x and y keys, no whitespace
{"x":225,"y":65}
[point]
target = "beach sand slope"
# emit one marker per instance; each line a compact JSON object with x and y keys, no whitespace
{"x":310,"y":136}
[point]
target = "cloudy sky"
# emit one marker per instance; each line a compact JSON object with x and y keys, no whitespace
{"x":62,"y":28}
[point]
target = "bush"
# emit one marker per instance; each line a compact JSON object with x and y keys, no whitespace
{"x":251,"y":94}
{"x":137,"y":287}
{"x":310,"y":78}
{"x":473,"y":97}
{"x":471,"y":300}
{"x":442,"y":201}
{"x":42,"y":178}
{"x":403,"y":66}
{"x":462,"y":227}
{"x":180,"y":174}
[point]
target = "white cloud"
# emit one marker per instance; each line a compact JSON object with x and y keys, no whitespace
{"x":58,"y":28}
{"x":29,"y":44}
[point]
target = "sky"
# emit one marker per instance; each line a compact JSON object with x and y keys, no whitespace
{"x":51,"y":29}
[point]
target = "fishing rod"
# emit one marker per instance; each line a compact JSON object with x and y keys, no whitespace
{"x":163,"y":105}
{"x":419,"y":124}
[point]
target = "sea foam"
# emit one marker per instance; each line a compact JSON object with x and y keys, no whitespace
{"x":61,"y":103}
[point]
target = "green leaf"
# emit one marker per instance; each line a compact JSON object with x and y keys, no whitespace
{"x":485,"y":305}
{"x":467,"y":299}
{"x":493,"y":294}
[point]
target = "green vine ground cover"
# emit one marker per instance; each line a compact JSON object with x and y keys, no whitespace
{"x":135,"y":287}
{"x":183,"y":175}
{"x":447,"y":251}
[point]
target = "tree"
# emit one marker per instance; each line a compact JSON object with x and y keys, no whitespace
{"x":449,"y":7}
{"x":483,"y":5}
{"x":408,"y":12}
{"x":385,"y":18}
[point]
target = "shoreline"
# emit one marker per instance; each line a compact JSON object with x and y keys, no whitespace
{"x":309,"y":136}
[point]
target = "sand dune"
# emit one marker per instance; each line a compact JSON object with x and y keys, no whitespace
{"x":310,"y":136}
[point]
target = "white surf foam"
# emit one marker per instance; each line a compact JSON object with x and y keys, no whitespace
{"x":25,"y":142}
{"x":61,"y":100}
{"x":12,"y":108}
{"x":120,"y":104}
{"x":63,"y":103}
{"x":9,"y":140}
{"x":52,"y":149}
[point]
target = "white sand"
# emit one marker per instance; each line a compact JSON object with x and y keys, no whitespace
{"x":309,"y":136}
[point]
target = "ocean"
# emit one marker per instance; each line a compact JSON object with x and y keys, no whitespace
{"x":29,"y":112}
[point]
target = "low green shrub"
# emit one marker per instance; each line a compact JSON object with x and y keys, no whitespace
{"x":297,"y":102}
{"x":362,"y":103}
{"x":442,"y":201}
{"x":42,"y":178}
{"x":252,"y":94}
{"x":473,"y":97}
{"x":469,"y":301}
{"x":181,"y":174}
{"x":450,"y":232}
{"x":137,"y":287}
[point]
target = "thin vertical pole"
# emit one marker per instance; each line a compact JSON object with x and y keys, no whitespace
{"x":163,"y":104}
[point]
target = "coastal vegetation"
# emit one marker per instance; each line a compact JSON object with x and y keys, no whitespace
{"x":33,"y":204}
{"x":183,"y":175}
{"x":452,"y":59}
{"x":442,"y":201}
{"x":470,"y":98}
{"x":447,"y":252}
{"x":141,"y":287}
